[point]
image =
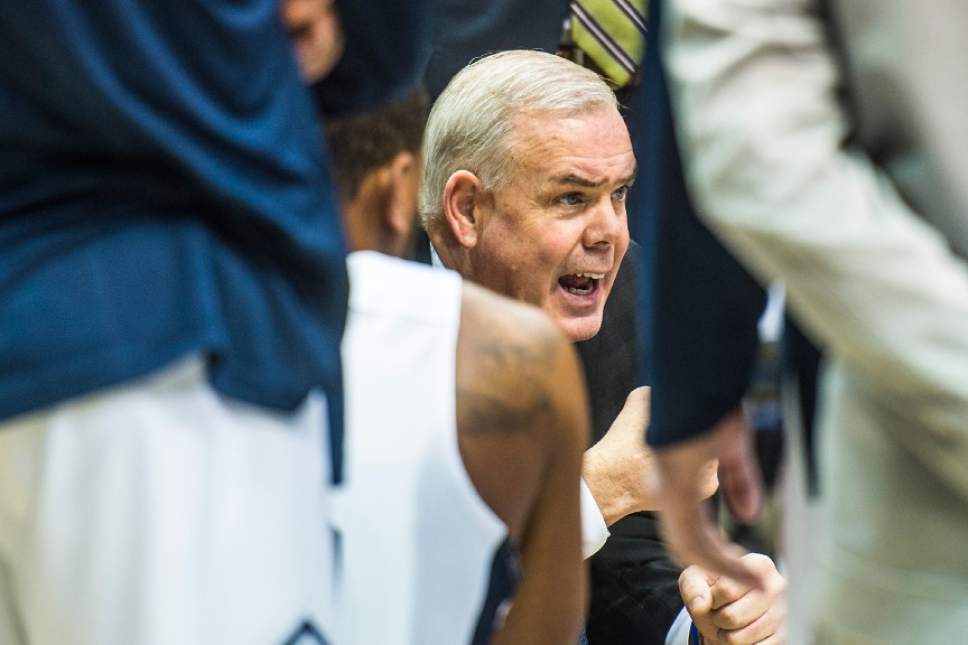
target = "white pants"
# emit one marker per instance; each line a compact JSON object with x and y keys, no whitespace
{"x":159,"y":512}
{"x":801,"y":525}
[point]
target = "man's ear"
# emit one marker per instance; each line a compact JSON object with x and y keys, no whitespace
{"x":464,"y":194}
{"x":404,"y":176}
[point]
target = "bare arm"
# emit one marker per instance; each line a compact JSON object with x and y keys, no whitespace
{"x":522,"y":423}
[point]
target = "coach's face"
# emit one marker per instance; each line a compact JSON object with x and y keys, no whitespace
{"x":556,"y":234}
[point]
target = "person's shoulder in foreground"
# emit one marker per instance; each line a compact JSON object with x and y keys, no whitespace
{"x":140,"y":188}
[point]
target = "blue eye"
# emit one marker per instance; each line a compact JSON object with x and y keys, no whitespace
{"x":621,"y":193}
{"x":571,"y":199}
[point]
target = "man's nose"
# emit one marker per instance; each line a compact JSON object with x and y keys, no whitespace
{"x":607,"y":225}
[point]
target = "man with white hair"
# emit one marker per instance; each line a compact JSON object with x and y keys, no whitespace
{"x":528,"y":166}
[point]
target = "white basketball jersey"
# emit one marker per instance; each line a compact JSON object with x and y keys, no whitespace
{"x":425,"y":560}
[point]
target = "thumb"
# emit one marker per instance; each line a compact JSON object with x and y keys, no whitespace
{"x":633,"y":419}
{"x":695,"y":590}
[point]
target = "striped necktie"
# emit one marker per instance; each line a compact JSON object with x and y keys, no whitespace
{"x":612,"y":35}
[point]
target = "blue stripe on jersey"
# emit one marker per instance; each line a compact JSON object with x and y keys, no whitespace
{"x":503,"y":582}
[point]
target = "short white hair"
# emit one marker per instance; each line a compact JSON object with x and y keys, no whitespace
{"x":471,"y":122}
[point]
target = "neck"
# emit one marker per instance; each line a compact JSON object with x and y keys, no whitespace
{"x":452,"y":255}
{"x":366,"y":229}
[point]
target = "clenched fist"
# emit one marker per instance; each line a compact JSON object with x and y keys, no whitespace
{"x":727,"y":612}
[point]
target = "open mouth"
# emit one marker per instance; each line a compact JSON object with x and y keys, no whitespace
{"x":581,"y":284}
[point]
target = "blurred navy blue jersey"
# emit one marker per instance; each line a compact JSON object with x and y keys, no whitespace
{"x":387,"y":42}
{"x":163,"y":190}
{"x":698,"y":307}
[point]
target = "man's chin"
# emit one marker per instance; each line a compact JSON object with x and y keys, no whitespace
{"x":579,"y":328}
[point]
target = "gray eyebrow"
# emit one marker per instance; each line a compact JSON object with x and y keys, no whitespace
{"x":577,"y":180}
{"x":580,"y":181}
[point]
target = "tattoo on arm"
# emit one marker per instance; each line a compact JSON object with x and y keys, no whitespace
{"x":487,"y":414}
{"x":500,"y":354}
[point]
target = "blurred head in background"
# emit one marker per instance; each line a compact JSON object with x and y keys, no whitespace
{"x":377,"y":164}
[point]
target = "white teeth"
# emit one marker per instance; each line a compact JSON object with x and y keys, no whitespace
{"x":593,"y":276}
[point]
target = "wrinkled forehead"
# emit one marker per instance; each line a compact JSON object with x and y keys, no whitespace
{"x":595,"y":143}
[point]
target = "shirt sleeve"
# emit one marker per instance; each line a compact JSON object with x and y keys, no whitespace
{"x":679,"y":632}
{"x":594,"y":532}
{"x":762,"y":130}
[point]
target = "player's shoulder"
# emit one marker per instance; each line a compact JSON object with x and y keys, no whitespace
{"x":509,"y":323}
{"x":515,"y":368}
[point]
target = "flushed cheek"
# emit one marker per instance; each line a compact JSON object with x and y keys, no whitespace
{"x":540,"y":286}
{"x":541,"y":272}
{"x":526,"y":284}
